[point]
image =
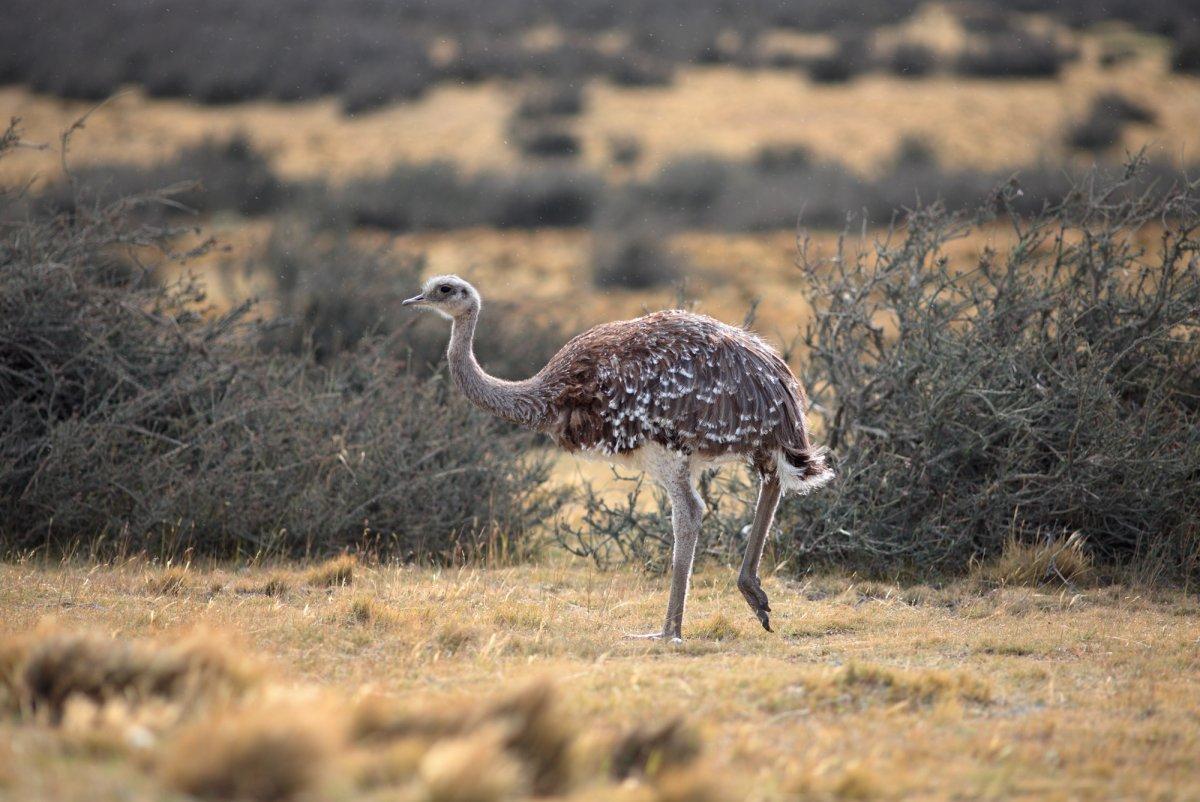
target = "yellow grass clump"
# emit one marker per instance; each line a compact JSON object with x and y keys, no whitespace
{"x":282,"y":743}
{"x":475,"y":768}
{"x":859,"y":683}
{"x":1063,"y":560}
{"x":42,"y":675}
{"x":261,"y":755}
{"x":170,"y":581}
{"x":275,"y":584}
{"x":337,"y":572}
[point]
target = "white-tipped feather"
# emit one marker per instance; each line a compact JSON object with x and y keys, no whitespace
{"x":805,"y":479}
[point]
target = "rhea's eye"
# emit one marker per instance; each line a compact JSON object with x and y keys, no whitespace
{"x":444,"y":288}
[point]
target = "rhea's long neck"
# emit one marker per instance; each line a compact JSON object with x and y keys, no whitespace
{"x":516,"y":402}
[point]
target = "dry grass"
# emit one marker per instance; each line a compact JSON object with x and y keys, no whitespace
{"x":262,"y":755}
{"x":969,"y":690}
{"x":337,"y":572}
{"x":1063,"y":560}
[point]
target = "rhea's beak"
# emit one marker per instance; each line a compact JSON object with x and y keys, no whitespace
{"x":414,"y":301}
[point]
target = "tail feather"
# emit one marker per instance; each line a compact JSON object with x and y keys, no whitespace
{"x":802,"y":472}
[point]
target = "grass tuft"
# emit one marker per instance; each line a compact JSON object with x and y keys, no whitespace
{"x":171,"y":581}
{"x":1063,"y":560}
{"x":717,"y":627}
{"x":367,"y":610}
{"x":336,"y":572}
{"x":916,"y":687}
{"x":650,"y":750}
{"x":275,"y":584}
{"x":256,"y":755}
{"x":41,"y":675}
{"x":470,"y":769}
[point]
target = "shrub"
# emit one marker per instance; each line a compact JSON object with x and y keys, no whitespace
{"x":1101,"y":128}
{"x":436,"y":196}
{"x":1117,"y":105}
{"x":839,"y":66}
{"x":910,"y":60}
{"x":333,"y":297}
{"x":544,"y":143}
{"x":1039,"y":392}
{"x":555,"y":100}
{"x":1098,"y":131}
{"x":414,"y":197}
{"x":1186,"y":55}
{"x":213,"y":175}
{"x":783,"y":157}
{"x":634,"y":71}
{"x":1051,"y":389}
{"x":632,"y":260}
{"x":625,"y":150}
{"x":547,"y":197}
{"x":914,"y":152}
{"x":1014,"y":55}
{"x":133,"y":419}
{"x":399,"y":71}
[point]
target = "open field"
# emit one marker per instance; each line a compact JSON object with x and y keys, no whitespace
{"x":971,"y":229}
{"x":868,"y":690}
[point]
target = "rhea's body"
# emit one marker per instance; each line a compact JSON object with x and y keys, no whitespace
{"x":670,"y":393}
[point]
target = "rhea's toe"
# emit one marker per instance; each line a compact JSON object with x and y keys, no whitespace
{"x":764,"y":619}
{"x":756,"y":597}
{"x":646,"y":636}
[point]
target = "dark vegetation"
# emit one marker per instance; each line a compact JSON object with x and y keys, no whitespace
{"x":633,"y":259}
{"x":369,"y":53}
{"x":212,"y":176}
{"x":1050,"y":392}
{"x":1101,"y":128}
{"x":331,"y":297}
{"x":1186,"y":56}
{"x":912,"y":61}
{"x":1014,"y":55}
{"x":782,"y":182}
{"x":549,"y":143}
{"x":132,"y":418}
{"x":552,"y":100}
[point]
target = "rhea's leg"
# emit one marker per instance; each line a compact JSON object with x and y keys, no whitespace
{"x":687,"y":513}
{"x":748,"y":582}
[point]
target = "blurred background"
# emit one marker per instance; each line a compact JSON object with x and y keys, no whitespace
{"x":601,"y":151}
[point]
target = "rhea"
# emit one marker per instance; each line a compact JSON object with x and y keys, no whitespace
{"x":671,"y":393}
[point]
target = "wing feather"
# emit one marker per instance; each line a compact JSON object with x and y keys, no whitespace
{"x":685,"y":381}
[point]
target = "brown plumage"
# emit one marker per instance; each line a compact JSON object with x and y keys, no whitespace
{"x":673,"y":393}
{"x":683,"y":381}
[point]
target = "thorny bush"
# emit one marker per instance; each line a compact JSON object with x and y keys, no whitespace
{"x":133,"y":418}
{"x":1048,"y":388}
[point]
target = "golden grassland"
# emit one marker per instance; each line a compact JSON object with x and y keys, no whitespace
{"x":368,"y":675}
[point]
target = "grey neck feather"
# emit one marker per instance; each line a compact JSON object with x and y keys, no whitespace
{"x":517,"y":402}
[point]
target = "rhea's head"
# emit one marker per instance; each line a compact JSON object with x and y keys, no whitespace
{"x":449,"y":296}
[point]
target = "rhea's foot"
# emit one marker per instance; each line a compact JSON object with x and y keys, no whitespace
{"x":756,"y":597}
{"x":661,"y":636}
